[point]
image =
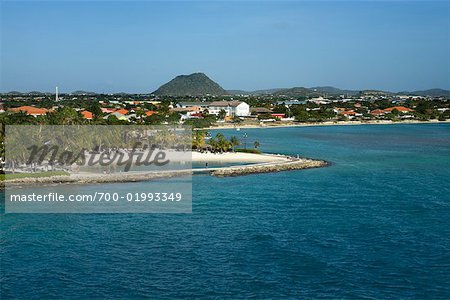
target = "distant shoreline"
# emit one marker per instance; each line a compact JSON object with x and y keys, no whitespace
{"x":316,"y":124}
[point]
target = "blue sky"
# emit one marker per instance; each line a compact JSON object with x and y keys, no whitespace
{"x":112,"y":46}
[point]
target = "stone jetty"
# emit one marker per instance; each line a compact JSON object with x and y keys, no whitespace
{"x":297,"y":164}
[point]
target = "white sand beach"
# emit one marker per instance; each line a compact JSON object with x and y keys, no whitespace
{"x":237,"y":157}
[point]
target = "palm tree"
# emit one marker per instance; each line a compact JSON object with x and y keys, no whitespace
{"x":213,"y":143}
{"x":198,"y":139}
{"x":234,"y":142}
{"x":222,"y":114}
{"x":223,"y":144}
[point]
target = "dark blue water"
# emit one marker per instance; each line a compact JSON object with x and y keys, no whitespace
{"x":376,"y":224}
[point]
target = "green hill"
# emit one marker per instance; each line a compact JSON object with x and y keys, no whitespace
{"x":197,"y":84}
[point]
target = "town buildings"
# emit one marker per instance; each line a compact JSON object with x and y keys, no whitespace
{"x":231,"y":108}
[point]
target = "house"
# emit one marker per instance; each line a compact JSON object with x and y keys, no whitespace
{"x":319,"y":100}
{"x":378,"y":112}
{"x":118,"y":115}
{"x":132,"y":102}
{"x":278,"y":116}
{"x":122,"y":111}
{"x":87,"y":115}
{"x":141,"y":114}
{"x":349,"y":114}
{"x":187,"y":112}
{"x":202,"y":105}
{"x":232,"y":108}
{"x":197,"y":115}
{"x":260,"y":111}
{"x":288,"y":103}
{"x":401,"y":109}
{"x":30,"y":110}
{"x":107,"y":110}
{"x":339,"y":110}
{"x":148,"y":113}
{"x":1,"y":108}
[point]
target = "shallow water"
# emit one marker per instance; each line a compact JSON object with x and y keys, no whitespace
{"x":376,"y":223}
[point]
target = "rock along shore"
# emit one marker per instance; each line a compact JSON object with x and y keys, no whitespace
{"x":288,"y":164}
{"x":269,"y":168}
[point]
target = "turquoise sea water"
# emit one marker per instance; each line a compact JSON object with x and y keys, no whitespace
{"x":375,"y":224}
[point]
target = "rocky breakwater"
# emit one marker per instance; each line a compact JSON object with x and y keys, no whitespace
{"x":294,"y":164}
{"x":280,"y":163}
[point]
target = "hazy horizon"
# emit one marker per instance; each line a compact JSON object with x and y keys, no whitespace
{"x":134,"y":47}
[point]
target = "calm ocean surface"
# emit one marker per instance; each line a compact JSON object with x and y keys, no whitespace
{"x":375,"y":224}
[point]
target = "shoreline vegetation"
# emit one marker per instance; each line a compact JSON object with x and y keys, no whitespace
{"x":258,"y":163}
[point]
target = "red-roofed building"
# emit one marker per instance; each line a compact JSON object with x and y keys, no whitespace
{"x":30,"y":110}
{"x":338,"y":110}
{"x":107,"y":110}
{"x":399,"y":108}
{"x":197,"y":115}
{"x":348,"y":113}
{"x":148,"y":113}
{"x":122,"y":111}
{"x":278,"y":115}
{"x":87,"y":115}
{"x":377,"y":112}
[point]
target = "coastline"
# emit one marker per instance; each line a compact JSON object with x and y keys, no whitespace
{"x":316,"y":124}
{"x":259,"y":163}
{"x":245,"y":163}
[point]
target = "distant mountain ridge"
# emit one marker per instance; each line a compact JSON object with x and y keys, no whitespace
{"x":430,"y":92}
{"x":196,"y":84}
{"x":79,"y":92}
{"x":199,"y":84}
{"x":298,"y":92}
{"x":305,"y":92}
{"x":332,"y":91}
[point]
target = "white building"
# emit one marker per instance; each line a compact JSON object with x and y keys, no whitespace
{"x":202,"y":105}
{"x":191,"y":112}
{"x":232,"y":108}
